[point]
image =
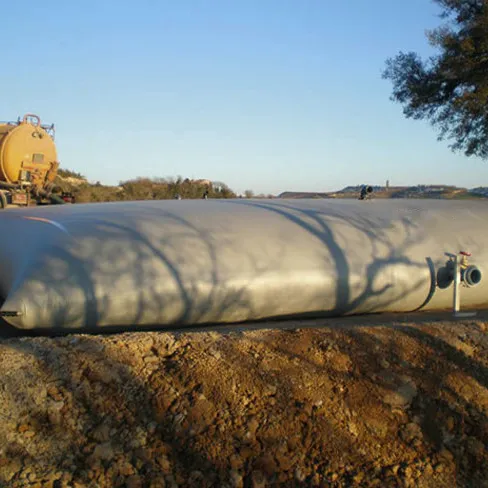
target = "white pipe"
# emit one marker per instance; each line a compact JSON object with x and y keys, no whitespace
{"x":457,"y":282}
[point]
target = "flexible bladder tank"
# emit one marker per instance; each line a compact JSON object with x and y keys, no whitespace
{"x":27,"y":153}
{"x":219,"y":261}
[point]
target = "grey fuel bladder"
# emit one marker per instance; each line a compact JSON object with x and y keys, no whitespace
{"x":167,"y":263}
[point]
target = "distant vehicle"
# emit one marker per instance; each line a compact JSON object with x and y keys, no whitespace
{"x":366,"y":192}
{"x":28,"y":164}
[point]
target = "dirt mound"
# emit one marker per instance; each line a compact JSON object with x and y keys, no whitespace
{"x":395,"y":404}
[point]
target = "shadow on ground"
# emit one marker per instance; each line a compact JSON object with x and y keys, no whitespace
{"x":370,"y":402}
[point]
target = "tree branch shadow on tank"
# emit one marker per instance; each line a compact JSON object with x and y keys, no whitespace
{"x":133,"y":258}
{"x":313,"y":221}
{"x":129,"y":254}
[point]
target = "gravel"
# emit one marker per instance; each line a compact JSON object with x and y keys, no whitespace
{"x":383,"y":402}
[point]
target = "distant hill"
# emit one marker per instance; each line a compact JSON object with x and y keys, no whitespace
{"x":419,"y":191}
{"x":293,"y":194}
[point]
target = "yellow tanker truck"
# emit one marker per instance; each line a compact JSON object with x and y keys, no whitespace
{"x":28,"y":163}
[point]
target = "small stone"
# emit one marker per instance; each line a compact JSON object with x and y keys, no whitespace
{"x":258,"y":480}
{"x":151,"y":359}
{"x":179,"y":479}
{"x":133,"y":481}
{"x":299,"y":475}
{"x":216,"y":354}
{"x":56,"y":406}
{"x":196,"y":478}
{"x":445,"y":455}
{"x":126,"y":468}
{"x":101,"y":433}
{"x":151,"y":428}
{"x":384,"y":364}
{"x":53,"y":392}
{"x":163,"y":461}
{"x":270,"y":390}
{"x":358,"y":478}
{"x":23,"y":428}
{"x":108,"y":376}
{"x":284,"y":459}
{"x":145,"y":343}
{"x":52,"y":480}
{"x":90,"y":345}
{"x":267,"y":463}
{"x":170,"y":481}
{"x":158,"y":482}
{"x":8,"y":471}
{"x":353,"y":429}
{"x":253,"y":425}
{"x":104,"y":452}
{"x":403,"y":396}
{"x":410,"y":432}
{"x":236,"y":479}
{"x":178,"y":418}
{"x":236,"y":462}
{"x":475,"y":447}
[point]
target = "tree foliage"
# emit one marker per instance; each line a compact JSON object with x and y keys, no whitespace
{"x":449,"y":89}
{"x":67,"y":173}
{"x":148,"y":189}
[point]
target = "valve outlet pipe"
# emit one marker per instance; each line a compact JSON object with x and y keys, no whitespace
{"x":471,"y":276}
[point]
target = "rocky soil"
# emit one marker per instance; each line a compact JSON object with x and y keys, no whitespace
{"x":376,"y":402}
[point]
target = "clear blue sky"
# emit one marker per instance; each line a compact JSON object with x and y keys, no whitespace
{"x":270,"y":95}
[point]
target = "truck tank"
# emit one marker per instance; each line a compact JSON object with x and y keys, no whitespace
{"x":28,"y":161}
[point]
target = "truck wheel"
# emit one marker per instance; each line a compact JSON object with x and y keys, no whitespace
{"x":3,"y":200}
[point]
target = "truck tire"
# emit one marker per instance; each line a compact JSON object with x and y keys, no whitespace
{"x":3,"y":200}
